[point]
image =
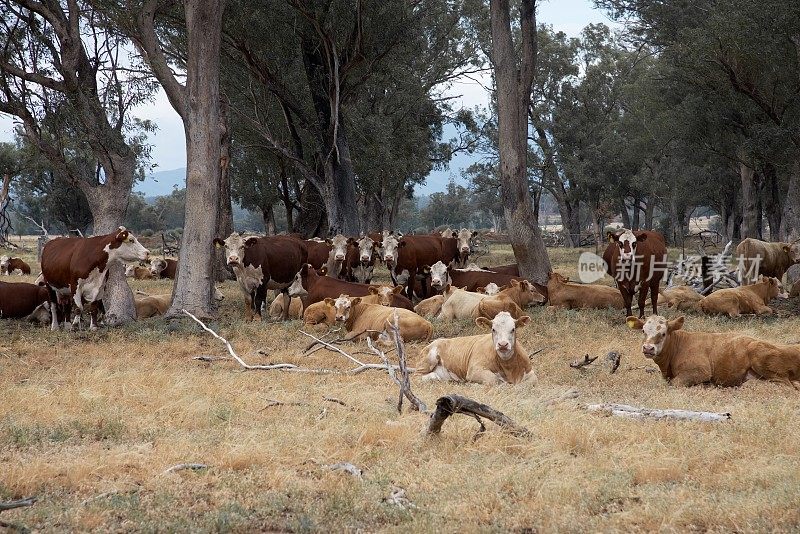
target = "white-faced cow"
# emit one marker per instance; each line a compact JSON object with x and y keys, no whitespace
{"x":164,"y":268}
{"x":637,"y":262}
{"x":76,"y":269}
{"x":360,"y":260}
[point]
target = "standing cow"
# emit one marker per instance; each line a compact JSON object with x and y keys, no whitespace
{"x":764,"y":258}
{"x":76,"y":269}
{"x":360,"y":260}
{"x":636,"y":261}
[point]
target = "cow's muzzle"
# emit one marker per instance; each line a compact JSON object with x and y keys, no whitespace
{"x":649,"y":350}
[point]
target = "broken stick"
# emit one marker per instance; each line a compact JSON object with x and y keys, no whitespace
{"x":578,"y":364}
{"x":452,"y":404}
{"x":21,"y":503}
{"x":625,"y":410}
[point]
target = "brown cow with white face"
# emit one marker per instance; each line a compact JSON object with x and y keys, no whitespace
{"x":9,"y":265}
{"x":337,"y":255}
{"x":360,"y":260}
{"x":637,"y":262}
{"x":76,"y":269}
{"x":722,"y":359}
{"x":164,"y":268}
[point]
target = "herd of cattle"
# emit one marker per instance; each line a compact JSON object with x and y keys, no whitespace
{"x":327,"y":282}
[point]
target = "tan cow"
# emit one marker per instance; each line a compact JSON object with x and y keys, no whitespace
{"x":430,"y":307}
{"x":765,"y":258}
{"x":571,"y":296}
{"x":490,"y":359}
{"x":513,"y":299}
{"x":682,"y":298}
{"x":459,"y":303}
{"x":295,"y":307}
{"x":319,"y":313}
{"x":370,"y":319}
{"x":137,"y":272}
{"x":151,"y":305}
{"x":722,"y":359}
{"x":745,"y":299}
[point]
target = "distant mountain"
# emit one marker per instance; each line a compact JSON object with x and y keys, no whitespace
{"x":162,"y":182}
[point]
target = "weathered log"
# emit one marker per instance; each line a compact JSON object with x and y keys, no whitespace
{"x":624,"y":410}
{"x":453,"y":404}
{"x":21,"y":503}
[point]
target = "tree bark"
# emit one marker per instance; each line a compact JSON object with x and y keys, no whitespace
{"x":374,"y":214}
{"x":311,"y":221}
{"x":626,"y":216}
{"x":269,"y":220}
{"x":790,"y":219}
{"x":513,"y":90}
{"x":648,"y":213}
{"x":286,"y":198}
{"x":225,"y":217}
{"x":749,"y":201}
{"x":195,"y":280}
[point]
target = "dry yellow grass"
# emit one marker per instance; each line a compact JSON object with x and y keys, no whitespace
{"x":104,"y":414}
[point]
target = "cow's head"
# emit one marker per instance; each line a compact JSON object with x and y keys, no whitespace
{"x":156,"y":266}
{"x":490,"y":289}
{"x":626,"y":240}
{"x":3,"y":264}
{"x":218,"y":295}
{"x":129,"y":270}
{"x":339,"y":244}
{"x":125,"y":247}
{"x":793,"y":251}
{"x":235,"y":246}
{"x":774,"y":287}
{"x":558,"y":278}
{"x":386,"y":293}
{"x":527,"y":293}
{"x":297,"y":289}
{"x":342,"y":306}
{"x":465,"y":238}
{"x":440,"y":276}
{"x":656,"y":331}
{"x":504,"y":332}
{"x":391,"y":247}
{"x":366,"y":246}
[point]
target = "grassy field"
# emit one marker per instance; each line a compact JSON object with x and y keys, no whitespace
{"x":89,"y":422}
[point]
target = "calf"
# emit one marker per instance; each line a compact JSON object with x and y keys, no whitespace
{"x":151,"y":305}
{"x":460,"y":304}
{"x":295,"y":307}
{"x":371,"y":319}
{"x":76,"y":268}
{"x":164,"y":268}
{"x":262,"y":263}
{"x":571,"y":296}
{"x":430,"y":307}
{"x":745,"y":299}
{"x":24,"y":301}
{"x":682,"y":298}
{"x":490,"y":289}
{"x":513,"y":299}
{"x":319,"y":313}
{"x":9,"y":265}
{"x":724,"y":359}
{"x":489,"y":359}
{"x":636,"y":261}
{"x":137,"y":272}
{"x":764,"y":258}
{"x":360,"y":260}
{"x":315,"y":288}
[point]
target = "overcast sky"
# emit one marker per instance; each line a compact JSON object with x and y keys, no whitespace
{"x":169,"y":150}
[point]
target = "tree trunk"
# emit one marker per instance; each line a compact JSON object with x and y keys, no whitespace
{"x":269,"y":220}
{"x":648,"y":213}
{"x":790,"y":219}
{"x":626,"y":216}
{"x":749,"y":201}
{"x":194,"y":284}
{"x":636,"y":214}
{"x":225,"y":217}
{"x":513,"y":90}
{"x":311,"y":221}
{"x":108,"y":203}
{"x":286,"y":198}
{"x":396,"y":201}
{"x":374,"y":214}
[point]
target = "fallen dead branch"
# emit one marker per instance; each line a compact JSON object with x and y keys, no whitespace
{"x":578,"y":364}
{"x":534,"y":353}
{"x":361,"y":365}
{"x":453,"y":404}
{"x":21,"y":503}
{"x":624,"y":410}
{"x":273,"y":402}
{"x":614,"y":358}
{"x":182,"y":467}
{"x":345,"y":467}
{"x":334,"y":399}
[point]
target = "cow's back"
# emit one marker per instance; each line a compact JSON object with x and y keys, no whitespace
{"x":317,"y":253}
{"x":19,"y":299}
{"x":420,"y":250}
{"x":328,"y":287}
{"x":67,"y":259}
{"x":472,"y":280}
{"x":286,"y":256}
{"x":456,"y":354}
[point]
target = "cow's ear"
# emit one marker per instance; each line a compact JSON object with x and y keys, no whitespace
{"x":328,"y":241}
{"x":514,"y":283}
{"x":484,"y":322}
{"x":219,"y":243}
{"x":397,"y":290}
{"x":676,"y":324}
{"x":787,"y":248}
{"x":634,"y":323}
{"x":426,"y":270}
{"x":455,"y":234}
{"x":372,"y":290}
{"x":329,"y":301}
{"x":612,"y":236}
{"x":522,"y":321}
{"x":481,"y":289}
{"x":355,"y":301}
{"x":475,"y":233}
{"x":250,"y":241}
{"x":122,"y":235}
{"x":641,"y":237}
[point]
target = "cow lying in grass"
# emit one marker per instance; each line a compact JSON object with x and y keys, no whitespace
{"x":490,"y":359}
{"x":461,"y":304}
{"x":745,"y":299}
{"x":682,"y":298}
{"x":571,"y":296}
{"x":430,"y":307}
{"x":724,"y":359}
{"x":371,"y":319}
{"x":295,"y":307}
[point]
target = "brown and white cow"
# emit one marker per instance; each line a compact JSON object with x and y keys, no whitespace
{"x":313,"y":288}
{"x":512,"y":269}
{"x":76,"y":269}
{"x":491,"y":359}
{"x":414,"y":257}
{"x":138,"y":272}
{"x":24,"y":301}
{"x":164,"y":268}
{"x":744,"y":299}
{"x":722,"y":359}
{"x":318,"y":251}
{"x":764,"y":258}
{"x":571,"y":296}
{"x":263,"y":263}
{"x":637,"y":262}
{"x":9,"y":265}
{"x":360,"y":260}
{"x":371,"y":319}
{"x":337,"y":255}
{"x":442,"y":275}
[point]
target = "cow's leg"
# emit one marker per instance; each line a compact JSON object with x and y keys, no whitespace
{"x":691,"y":377}
{"x":287,"y":300}
{"x":410,"y":283}
{"x":654,"y":296}
{"x":259,"y":300}
{"x":94,"y":308}
{"x":483,"y":376}
{"x":627,"y":298}
{"x":642,"y":299}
